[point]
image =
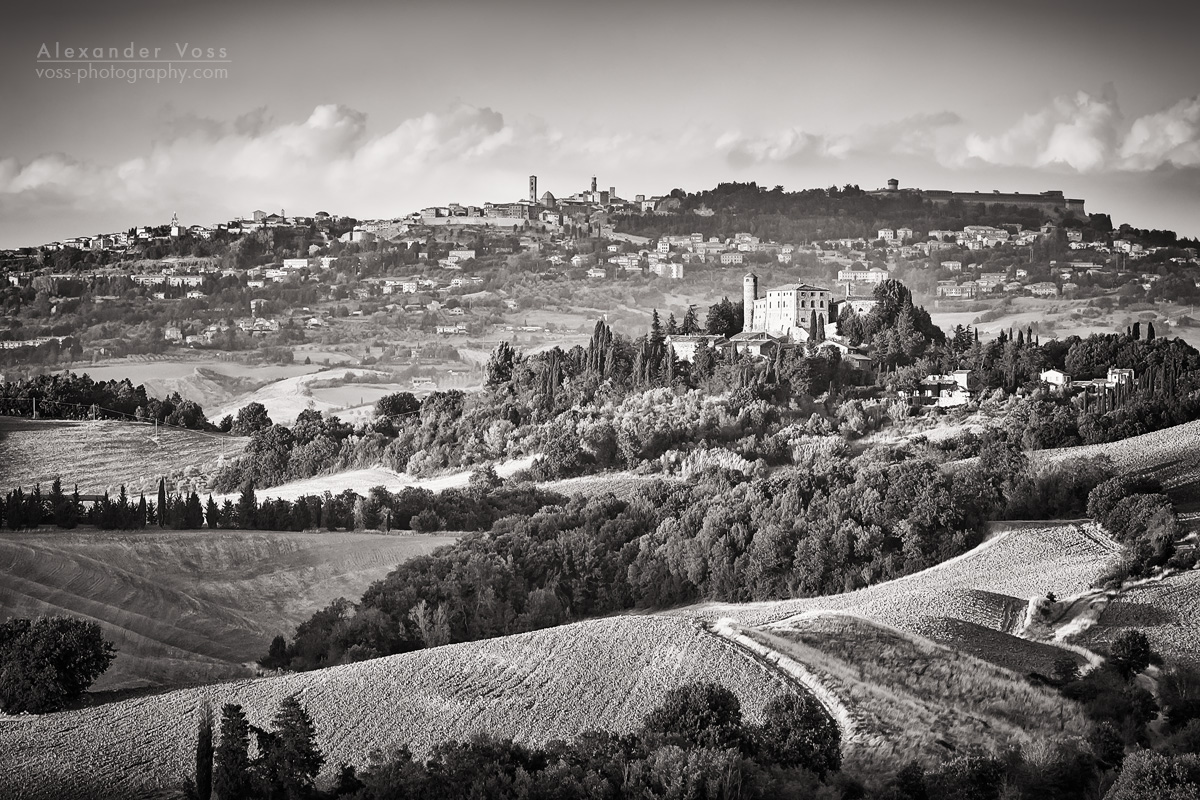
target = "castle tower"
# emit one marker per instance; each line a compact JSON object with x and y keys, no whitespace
{"x":533,"y":198}
{"x":749,"y":295}
{"x":593,"y":184}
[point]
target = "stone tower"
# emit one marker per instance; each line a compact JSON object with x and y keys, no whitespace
{"x":749,"y":295}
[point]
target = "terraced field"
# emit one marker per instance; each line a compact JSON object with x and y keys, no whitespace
{"x":909,"y":698}
{"x":604,"y":674}
{"x":189,"y":606}
{"x":973,"y":602}
{"x":101,"y":456}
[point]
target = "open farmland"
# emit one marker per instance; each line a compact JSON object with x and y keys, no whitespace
{"x":101,"y":456}
{"x":983,"y":591}
{"x":1172,"y":455}
{"x":285,"y":399}
{"x":603,"y":674}
{"x":190,"y":606}
{"x":363,"y":480}
{"x":1167,"y":611}
{"x":206,"y":380}
{"x":911,"y":699}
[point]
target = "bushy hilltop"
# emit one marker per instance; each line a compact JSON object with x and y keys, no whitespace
{"x":846,"y":212}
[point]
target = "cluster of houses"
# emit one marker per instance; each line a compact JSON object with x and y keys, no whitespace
{"x":15,"y":344}
{"x":955,"y":389}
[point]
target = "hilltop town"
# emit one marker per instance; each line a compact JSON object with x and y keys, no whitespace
{"x":460,"y":273}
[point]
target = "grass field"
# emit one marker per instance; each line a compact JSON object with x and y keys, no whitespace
{"x":1169,"y":455}
{"x":598,"y":675}
{"x":363,"y":480}
{"x":191,"y":606}
{"x":1062,"y":317}
{"x":103,"y":455}
{"x":211,"y":382}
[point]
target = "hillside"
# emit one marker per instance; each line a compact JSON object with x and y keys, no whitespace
{"x":101,"y":456}
{"x":974,"y":602}
{"x":535,"y":687}
{"x":1169,"y":455}
{"x":286,"y":398}
{"x":1167,"y":611}
{"x":904,"y":698}
{"x":363,"y":480}
{"x":191,"y":606}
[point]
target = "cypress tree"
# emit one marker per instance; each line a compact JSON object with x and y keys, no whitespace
{"x":247,"y":507}
{"x":212,"y":514}
{"x":204,"y":753}
{"x":162,"y":502}
{"x":231,"y":763}
{"x":293,"y":758}
{"x":193,"y":515}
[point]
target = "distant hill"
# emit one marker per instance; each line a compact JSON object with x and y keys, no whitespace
{"x":191,"y":606}
{"x":101,"y":456}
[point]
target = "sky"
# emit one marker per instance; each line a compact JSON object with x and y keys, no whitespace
{"x":376,"y":109}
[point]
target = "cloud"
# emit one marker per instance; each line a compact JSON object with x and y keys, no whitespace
{"x":209,"y":169}
{"x":1088,"y":134}
{"x":919,"y":135}
{"x":1168,"y":137}
{"x":1079,"y":131}
{"x":329,"y":158}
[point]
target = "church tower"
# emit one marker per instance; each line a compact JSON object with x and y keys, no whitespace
{"x":749,"y":295}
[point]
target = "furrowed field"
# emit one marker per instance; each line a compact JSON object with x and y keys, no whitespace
{"x":1170,"y":455}
{"x":535,"y":687}
{"x":101,"y":456}
{"x":190,"y":606}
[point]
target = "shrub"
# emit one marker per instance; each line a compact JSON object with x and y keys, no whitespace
{"x":427,"y":522}
{"x":1147,"y":775}
{"x":797,"y":732}
{"x":697,"y":715}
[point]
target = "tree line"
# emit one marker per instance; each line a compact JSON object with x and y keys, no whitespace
{"x":697,"y":737}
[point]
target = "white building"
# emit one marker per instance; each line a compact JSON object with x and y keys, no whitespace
{"x":786,"y":311}
{"x":873,"y":275}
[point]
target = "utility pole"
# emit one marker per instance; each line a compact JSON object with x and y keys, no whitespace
{"x":35,"y":408}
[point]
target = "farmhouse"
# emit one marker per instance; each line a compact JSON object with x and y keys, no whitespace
{"x":685,"y":346}
{"x":1056,"y":379}
{"x":945,"y":391}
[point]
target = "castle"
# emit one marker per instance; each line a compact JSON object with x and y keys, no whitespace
{"x":789,"y":312}
{"x":1052,"y":203}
